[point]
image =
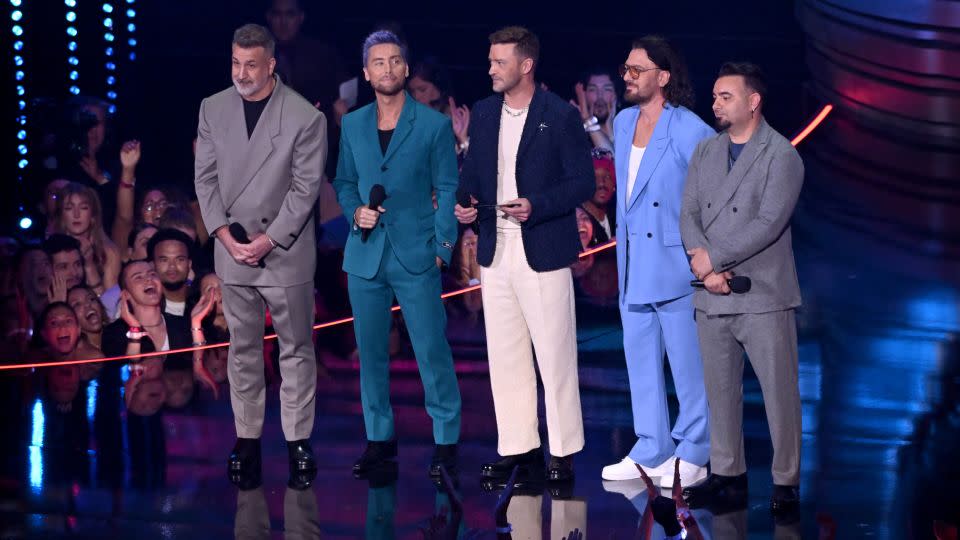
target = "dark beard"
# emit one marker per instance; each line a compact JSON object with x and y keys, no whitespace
{"x":721,"y":125}
{"x":636,"y":99}
{"x":174,"y":286}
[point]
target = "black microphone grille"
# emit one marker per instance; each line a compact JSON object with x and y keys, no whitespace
{"x":377,"y":194}
{"x":740,"y":284}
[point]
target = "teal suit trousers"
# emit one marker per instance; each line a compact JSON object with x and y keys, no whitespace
{"x":426,"y":320}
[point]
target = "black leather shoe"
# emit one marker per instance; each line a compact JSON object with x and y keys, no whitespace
{"x":560,"y":469}
{"x":530,"y":463}
{"x":718,"y":491}
{"x":244,"y":464}
{"x":446,"y":455}
{"x":377,"y":454}
{"x":303,"y":466}
{"x":785,"y":499}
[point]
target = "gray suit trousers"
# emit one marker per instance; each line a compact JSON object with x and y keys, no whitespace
{"x":291,"y":309}
{"x":770,"y":341}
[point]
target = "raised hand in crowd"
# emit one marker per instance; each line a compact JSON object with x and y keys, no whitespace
{"x":124,"y":221}
{"x":57,"y":292}
{"x":208,"y":300}
{"x":460,"y":116}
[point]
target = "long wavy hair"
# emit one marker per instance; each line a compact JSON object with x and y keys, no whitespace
{"x":98,"y":237}
{"x":679,"y":91}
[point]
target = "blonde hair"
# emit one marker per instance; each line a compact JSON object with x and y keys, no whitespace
{"x":98,"y":237}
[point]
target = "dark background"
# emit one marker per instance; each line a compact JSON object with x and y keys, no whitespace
{"x":183,"y":55}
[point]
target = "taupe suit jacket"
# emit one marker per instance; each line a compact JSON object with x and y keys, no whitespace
{"x":268,"y":182}
{"x":741,"y":216}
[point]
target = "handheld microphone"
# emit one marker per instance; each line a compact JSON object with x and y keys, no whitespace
{"x":240,"y":235}
{"x":737,"y":284}
{"x":377,"y":196}
{"x":463,"y":199}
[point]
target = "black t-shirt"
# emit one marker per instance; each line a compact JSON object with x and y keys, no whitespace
{"x":252,"y":111}
{"x":735,"y":150}
{"x":385,"y":136}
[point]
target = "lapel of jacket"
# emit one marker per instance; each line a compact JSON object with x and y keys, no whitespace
{"x":623,"y":143}
{"x":657,"y":146}
{"x":731,"y":181}
{"x":531,"y":127}
{"x":408,"y":115}
{"x":260,"y":145}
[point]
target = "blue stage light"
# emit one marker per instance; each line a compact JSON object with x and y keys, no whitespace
{"x":108,"y":8}
{"x":133,"y":56}
{"x":22,"y":134}
{"x":132,"y":42}
{"x":108,"y":51}
{"x":16,"y":15}
{"x":75,"y":90}
{"x":18,"y":45}
{"x":131,"y":13}
{"x":19,"y":75}
{"x":111,"y":80}
{"x":21,"y":90}
{"x":17,"y":30}
{"x":22,"y":149}
{"x":70,"y":3}
{"x":71,"y":16}
{"x":74,"y":75}
{"x":73,"y":60}
{"x":111,"y":66}
{"x":71,"y":31}
{"x":131,"y":28}
{"x":26,"y":223}
{"x":72,"y":46}
{"x":108,"y":22}
{"x":18,"y":60}
{"x":23,"y":163}
{"x":111,"y":95}
{"x":108,"y":36}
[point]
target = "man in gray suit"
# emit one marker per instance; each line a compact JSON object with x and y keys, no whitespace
{"x":741,"y":189}
{"x":261,"y":149}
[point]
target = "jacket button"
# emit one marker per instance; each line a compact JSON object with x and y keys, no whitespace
{"x":263,"y":220}
{"x":655,"y":204}
{"x":649,"y":235}
{"x":228,"y":215}
{"x":708,"y":205}
{"x":734,"y":208}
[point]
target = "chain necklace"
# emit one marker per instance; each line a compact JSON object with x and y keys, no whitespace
{"x":517,"y":114}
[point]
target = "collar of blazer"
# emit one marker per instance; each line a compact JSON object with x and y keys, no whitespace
{"x":656,"y":148}
{"x":408,"y":115}
{"x":531,"y":127}
{"x":251,"y":153}
{"x":726,"y":185}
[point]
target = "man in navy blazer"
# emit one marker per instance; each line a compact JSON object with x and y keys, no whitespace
{"x":528,"y":168}
{"x":654,"y":141}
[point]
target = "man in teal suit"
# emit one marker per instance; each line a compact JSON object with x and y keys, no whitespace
{"x":397,"y":249}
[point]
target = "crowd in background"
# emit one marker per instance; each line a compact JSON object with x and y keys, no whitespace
{"x":119,"y":252}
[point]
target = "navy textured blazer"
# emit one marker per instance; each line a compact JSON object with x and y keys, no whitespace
{"x":554,"y":172}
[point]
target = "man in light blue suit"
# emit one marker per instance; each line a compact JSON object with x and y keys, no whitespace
{"x":654,"y":140}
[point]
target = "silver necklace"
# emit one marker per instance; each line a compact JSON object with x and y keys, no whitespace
{"x":514,"y":114}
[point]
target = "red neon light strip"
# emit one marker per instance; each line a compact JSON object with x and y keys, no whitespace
{"x":821,"y":116}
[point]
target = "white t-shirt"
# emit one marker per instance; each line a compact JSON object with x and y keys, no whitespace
{"x":605,"y":223}
{"x":176,"y":308}
{"x":511,"y":129}
{"x":636,"y":155}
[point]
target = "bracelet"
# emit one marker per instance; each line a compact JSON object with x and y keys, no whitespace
{"x":136,"y":329}
{"x":126,"y":185}
{"x":592,"y":121}
{"x":592,"y":128}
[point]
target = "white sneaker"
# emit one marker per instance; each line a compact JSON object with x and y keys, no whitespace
{"x":690,"y":474}
{"x":627,"y":470}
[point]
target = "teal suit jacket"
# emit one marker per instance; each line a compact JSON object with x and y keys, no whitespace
{"x":419,"y":161}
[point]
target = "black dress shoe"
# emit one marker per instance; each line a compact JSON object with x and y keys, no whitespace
{"x":446,"y":455}
{"x":560,"y":469}
{"x":530,"y":463}
{"x":244,"y":464}
{"x":785,"y":499}
{"x":303,"y":466}
{"x":718,"y":490}
{"x":377,"y":454}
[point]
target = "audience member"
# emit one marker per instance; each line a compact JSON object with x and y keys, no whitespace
{"x":169,"y":251}
{"x":432,"y":85}
{"x":84,"y":161}
{"x":80,"y":216}
{"x":124,"y":221}
{"x":601,"y":206}
{"x":66,"y":260}
{"x":48,"y":207}
{"x":596,"y":99}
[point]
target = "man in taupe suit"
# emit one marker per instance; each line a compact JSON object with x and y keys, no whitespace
{"x":261,"y":149}
{"x":741,"y":189}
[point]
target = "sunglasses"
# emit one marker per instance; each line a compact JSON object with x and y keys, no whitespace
{"x":635,"y":71}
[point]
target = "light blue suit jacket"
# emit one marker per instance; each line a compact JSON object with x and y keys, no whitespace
{"x":652,"y":264}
